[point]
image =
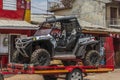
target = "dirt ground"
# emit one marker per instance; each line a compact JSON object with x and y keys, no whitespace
{"x":115,"y":75}
{"x":104,"y":76}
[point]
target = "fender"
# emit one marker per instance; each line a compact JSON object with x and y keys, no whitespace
{"x":80,"y":48}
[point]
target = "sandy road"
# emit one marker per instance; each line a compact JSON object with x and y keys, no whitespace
{"x":104,"y":76}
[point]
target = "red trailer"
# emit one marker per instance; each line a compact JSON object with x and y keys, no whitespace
{"x":52,"y":72}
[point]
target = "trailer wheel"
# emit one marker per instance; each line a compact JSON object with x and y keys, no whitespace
{"x":1,"y":77}
{"x":76,"y":74}
{"x":40,"y":57}
{"x":49,"y":77}
{"x":92,"y":58}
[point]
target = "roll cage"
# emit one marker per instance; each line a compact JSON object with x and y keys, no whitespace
{"x":68,"y":23}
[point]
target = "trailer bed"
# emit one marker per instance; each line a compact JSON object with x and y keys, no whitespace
{"x":52,"y":69}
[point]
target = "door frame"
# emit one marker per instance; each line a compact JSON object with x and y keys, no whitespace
{"x":9,"y":45}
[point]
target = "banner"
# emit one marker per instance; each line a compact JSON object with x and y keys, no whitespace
{"x":115,"y":35}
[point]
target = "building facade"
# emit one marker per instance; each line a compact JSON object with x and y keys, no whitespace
{"x":105,"y":13}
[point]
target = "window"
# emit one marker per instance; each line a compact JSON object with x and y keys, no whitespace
{"x":9,"y":4}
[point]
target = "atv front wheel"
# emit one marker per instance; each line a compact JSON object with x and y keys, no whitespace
{"x":40,"y":57}
{"x":18,"y":58}
{"x":15,"y":57}
{"x":92,"y":58}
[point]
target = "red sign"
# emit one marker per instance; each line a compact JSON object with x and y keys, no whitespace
{"x":13,"y":9}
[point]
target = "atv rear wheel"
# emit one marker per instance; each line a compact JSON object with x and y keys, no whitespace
{"x":92,"y":58}
{"x":40,"y":57}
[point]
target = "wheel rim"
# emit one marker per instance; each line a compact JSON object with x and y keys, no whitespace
{"x":93,"y":58}
{"x":42,"y":59}
{"x":76,"y":76}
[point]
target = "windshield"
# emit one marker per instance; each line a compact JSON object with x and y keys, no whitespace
{"x":43,"y":32}
{"x":48,"y":28}
{"x":45,"y":29}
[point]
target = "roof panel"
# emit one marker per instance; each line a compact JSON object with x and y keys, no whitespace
{"x":14,"y":24}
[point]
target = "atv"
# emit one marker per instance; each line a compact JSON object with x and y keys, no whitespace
{"x":57,"y":38}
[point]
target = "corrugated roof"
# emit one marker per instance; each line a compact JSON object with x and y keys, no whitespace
{"x":14,"y":24}
{"x":92,"y":28}
{"x":38,"y":18}
{"x":113,"y":30}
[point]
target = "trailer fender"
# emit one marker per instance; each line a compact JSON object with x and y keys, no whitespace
{"x":70,"y":69}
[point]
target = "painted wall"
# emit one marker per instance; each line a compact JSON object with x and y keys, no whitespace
{"x":3,"y":44}
{"x":4,"y":33}
{"x":15,"y":9}
{"x":89,"y":10}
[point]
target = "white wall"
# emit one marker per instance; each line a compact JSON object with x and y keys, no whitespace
{"x":3,"y":49}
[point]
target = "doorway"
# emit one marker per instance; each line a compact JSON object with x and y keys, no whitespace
{"x":11,"y":46}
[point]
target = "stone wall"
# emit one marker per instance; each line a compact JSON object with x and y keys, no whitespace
{"x":93,"y":11}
